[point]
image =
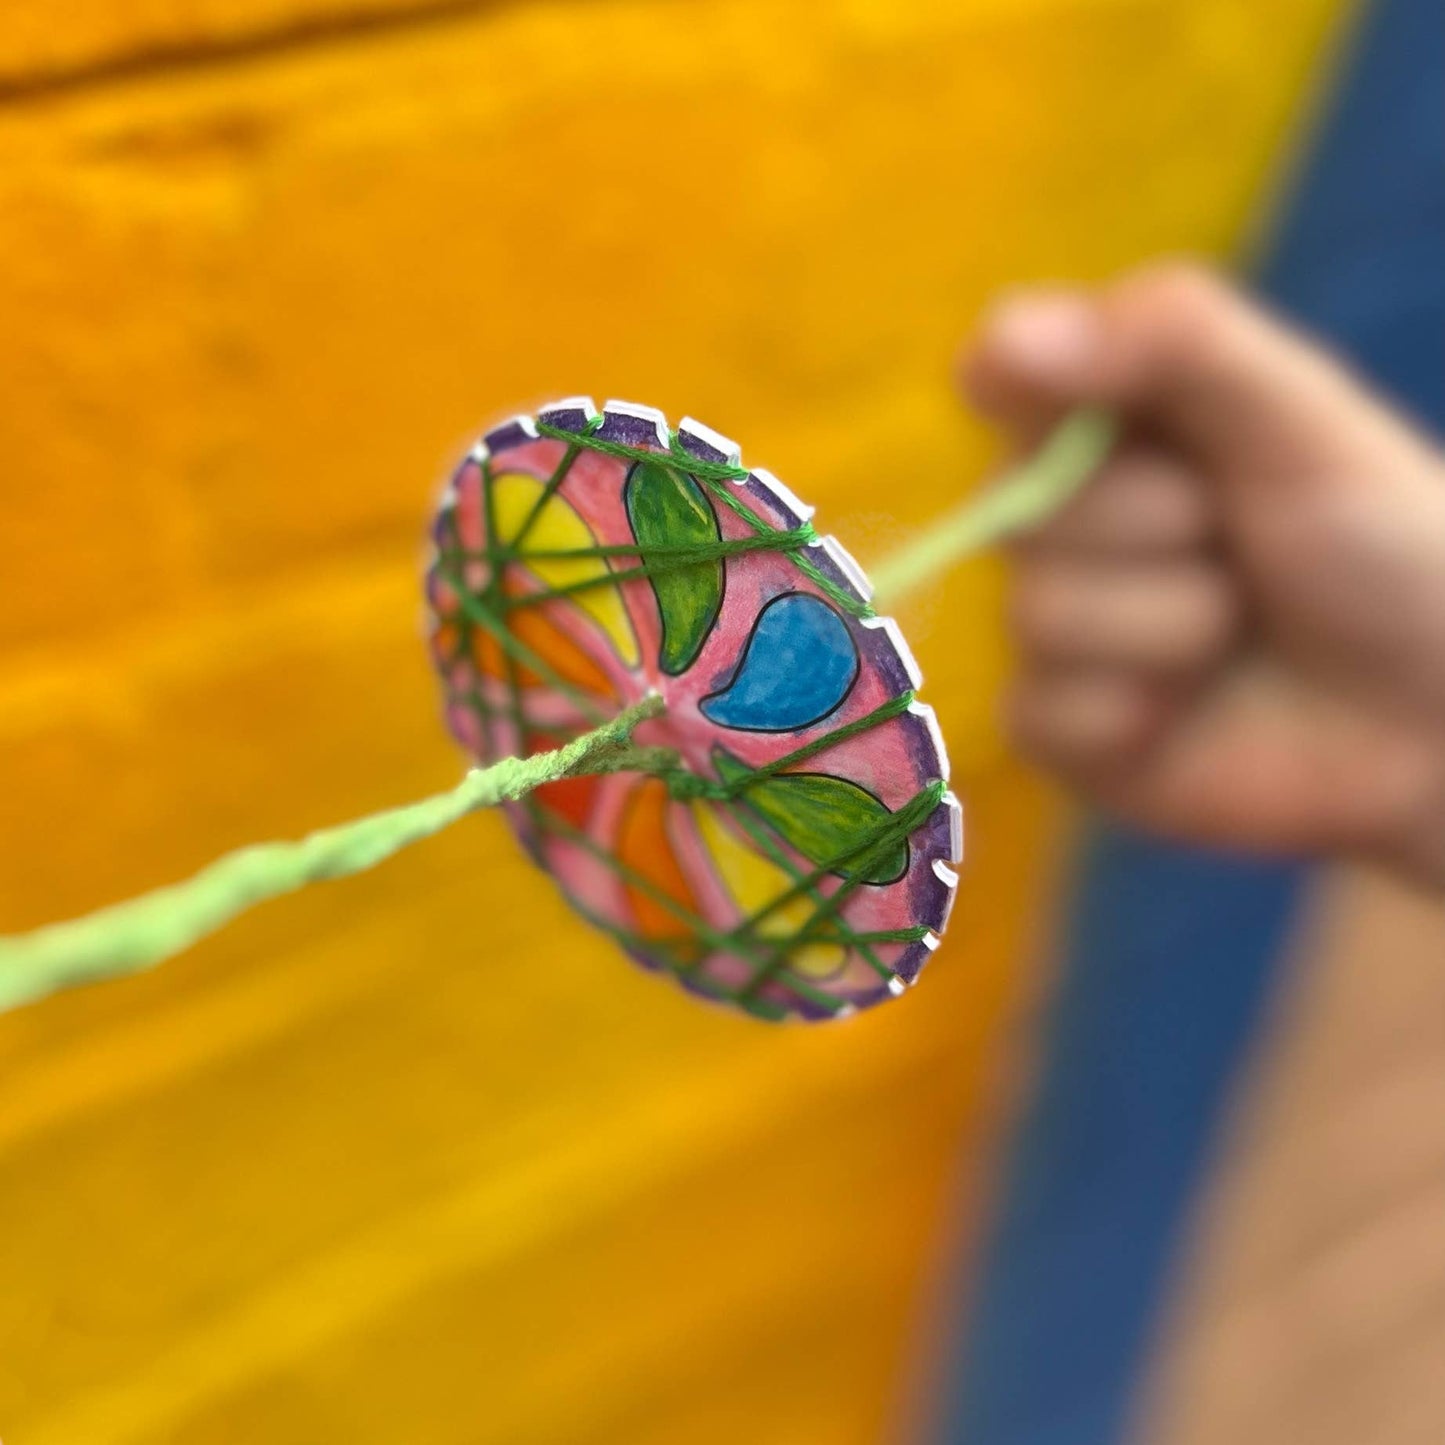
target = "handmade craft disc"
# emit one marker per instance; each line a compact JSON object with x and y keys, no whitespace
{"x":799,"y":860}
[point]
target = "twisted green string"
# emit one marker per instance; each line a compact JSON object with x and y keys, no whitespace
{"x":141,"y":932}
{"x":1027,"y":496}
{"x":137,"y":934}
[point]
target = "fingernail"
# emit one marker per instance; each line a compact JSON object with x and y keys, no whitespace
{"x":1054,"y":339}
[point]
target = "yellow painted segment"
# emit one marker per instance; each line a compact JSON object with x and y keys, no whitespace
{"x":418,"y":1157}
{"x":754,"y":882}
{"x":558,"y":528}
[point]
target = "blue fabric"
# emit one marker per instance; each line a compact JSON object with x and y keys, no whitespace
{"x":1359,"y":254}
{"x":1172,"y":952}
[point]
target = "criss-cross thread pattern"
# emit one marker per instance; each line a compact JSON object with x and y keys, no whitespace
{"x":489,"y":608}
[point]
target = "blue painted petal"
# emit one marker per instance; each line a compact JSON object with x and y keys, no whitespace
{"x":798,"y":665}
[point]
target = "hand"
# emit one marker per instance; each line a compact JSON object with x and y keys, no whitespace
{"x":1236,"y":633}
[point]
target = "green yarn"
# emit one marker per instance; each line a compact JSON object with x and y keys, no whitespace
{"x":702,"y":470}
{"x":716,"y":475}
{"x":684,"y":784}
{"x":1023,"y":498}
{"x":139,"y":933}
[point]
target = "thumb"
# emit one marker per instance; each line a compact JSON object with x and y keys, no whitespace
{"x":1180,"y":352}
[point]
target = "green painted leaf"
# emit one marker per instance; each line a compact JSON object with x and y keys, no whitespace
{"x":668,"y":509}
{"x":823,"y":817}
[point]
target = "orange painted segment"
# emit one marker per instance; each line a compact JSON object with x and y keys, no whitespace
{"x":540,"y":635}
{"x":445,"y":641}
{"x":644,"y":846}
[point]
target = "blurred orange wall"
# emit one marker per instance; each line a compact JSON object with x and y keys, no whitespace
{"x":418,"y":1157}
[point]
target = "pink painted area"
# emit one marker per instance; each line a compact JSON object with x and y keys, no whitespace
{"x":893,"y":761}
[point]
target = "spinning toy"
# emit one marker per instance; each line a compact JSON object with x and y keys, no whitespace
{"x":797,"y":858}
{"x":686,"y":700}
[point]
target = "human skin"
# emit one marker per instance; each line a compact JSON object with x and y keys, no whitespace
{"x":1236,"y":633}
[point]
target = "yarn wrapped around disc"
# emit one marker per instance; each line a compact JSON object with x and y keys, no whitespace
{"x":798,"y":859}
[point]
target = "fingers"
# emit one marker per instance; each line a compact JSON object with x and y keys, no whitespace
{"x":1168,"y":618}
{"x":1125,"y":576}
{"x":1180,"y":352}
{"x":1121,"y":610}
{"x":998,"y":371}
{"x":1111,"y":653}
{"x":1144,"y":501}
{"x":1086,"y":726}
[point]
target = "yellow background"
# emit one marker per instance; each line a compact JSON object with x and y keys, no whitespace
{"x":418,"y":1157}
